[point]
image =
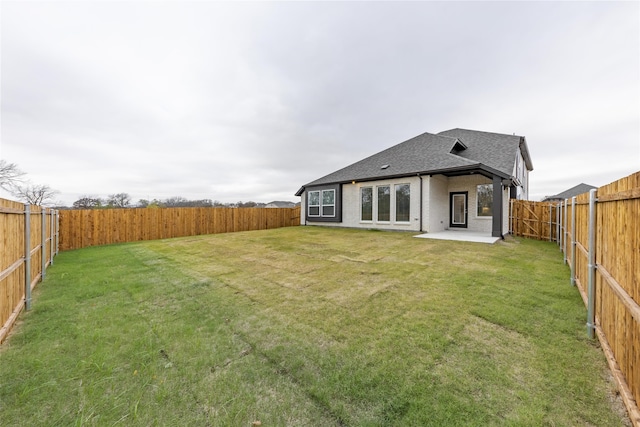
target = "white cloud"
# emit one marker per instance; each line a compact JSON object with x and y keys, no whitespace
{"x":239,"y":101}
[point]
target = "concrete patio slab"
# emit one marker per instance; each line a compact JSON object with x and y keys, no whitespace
{"x":460,"y":235}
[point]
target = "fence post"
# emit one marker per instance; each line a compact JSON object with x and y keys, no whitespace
{"x":573,"y":241}
{"x":57,"y":224}
{"x":558,"y":225}
{"x":565,"y":232}
{"x":550,"y":225}
{"x":43,"y":236}
{"x":592,"y":265}
{"x":27,"y":256}
{"x":52,"y":233}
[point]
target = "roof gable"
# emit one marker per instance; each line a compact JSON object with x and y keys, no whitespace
{"x":419,"y":154}
{"x":492,"y":149}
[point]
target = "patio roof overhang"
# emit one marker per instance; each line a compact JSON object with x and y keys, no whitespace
{"x":479,"y":169}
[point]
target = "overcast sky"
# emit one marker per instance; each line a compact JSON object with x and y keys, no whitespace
{"x":249,"y":101}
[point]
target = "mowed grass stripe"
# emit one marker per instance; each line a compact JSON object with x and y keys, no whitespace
{"x":307,"y":326}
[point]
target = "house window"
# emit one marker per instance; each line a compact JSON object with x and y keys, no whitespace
{"x":485,"y":199}
{"x":328,"y":202}
{"x":402,"y":202}
{"x":327,"y":207}
{"x":384,"y":203}
{"x":366,"y":204}
{"x":314,"y":203}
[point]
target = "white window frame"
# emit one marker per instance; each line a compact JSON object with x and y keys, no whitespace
{"x":322,"y":205}
{"x":378,"y":220}
{"x":478,"y":201}
{"x":395,"y":209}
{"x":367,"y":221}
{"x":309,"y":205}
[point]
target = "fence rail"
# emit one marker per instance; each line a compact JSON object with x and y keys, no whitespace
{"x":91,"y":227}
{"x":599,"y":235}
{"x":29,"y":236}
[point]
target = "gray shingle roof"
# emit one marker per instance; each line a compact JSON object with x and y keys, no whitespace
{"x":281,"y":204}
{"x":573,"y":191}
{"x":495,"y":150}
{"x":455,"y":149}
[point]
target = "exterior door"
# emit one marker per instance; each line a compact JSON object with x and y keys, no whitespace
{"x":458,"y":209}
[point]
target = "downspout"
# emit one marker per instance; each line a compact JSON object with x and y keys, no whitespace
{"x":420,"y":176}
{"x":496,"y":221}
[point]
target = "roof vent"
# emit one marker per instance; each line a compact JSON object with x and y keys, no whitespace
{"x":384,"y":166}
{"x":458,"y":146}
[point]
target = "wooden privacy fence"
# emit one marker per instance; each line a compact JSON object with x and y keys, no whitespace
{"x":29,"y":238}
{"x":599,"y":234}
{"x":91,"y":227}
{"x":535,"y":220}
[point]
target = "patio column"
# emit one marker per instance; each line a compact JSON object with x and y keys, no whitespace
{"x":496,"y":228}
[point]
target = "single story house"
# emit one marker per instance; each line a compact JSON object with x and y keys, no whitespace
{"x":568,"y":194}
{"x":280,"y":204}
{"x":458,"y":178}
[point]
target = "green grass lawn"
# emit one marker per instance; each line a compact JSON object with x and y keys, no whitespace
{"x":307,"y":326}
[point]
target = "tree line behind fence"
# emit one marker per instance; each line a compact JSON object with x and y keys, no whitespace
{"x":599,"y":235}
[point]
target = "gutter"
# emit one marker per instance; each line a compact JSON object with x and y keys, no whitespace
{"x":484,"y":170}
{"x":420,"y":176}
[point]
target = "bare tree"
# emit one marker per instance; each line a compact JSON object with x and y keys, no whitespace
{"x":249,"y":204}
{"x":176,"y":202}
{"x":35,"y":194}
{"x":87,"y":202}
{"x":10,"y":176}
{"x":120,"y":200}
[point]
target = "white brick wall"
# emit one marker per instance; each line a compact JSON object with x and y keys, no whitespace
{"x":468,"y":183}
{"x":435,"y":204}
{"x":351,"y":205}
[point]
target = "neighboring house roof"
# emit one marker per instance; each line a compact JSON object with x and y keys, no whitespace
{"x":573,"y":191}
{"x":450,"y":152}
{"x":280,"y":204}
